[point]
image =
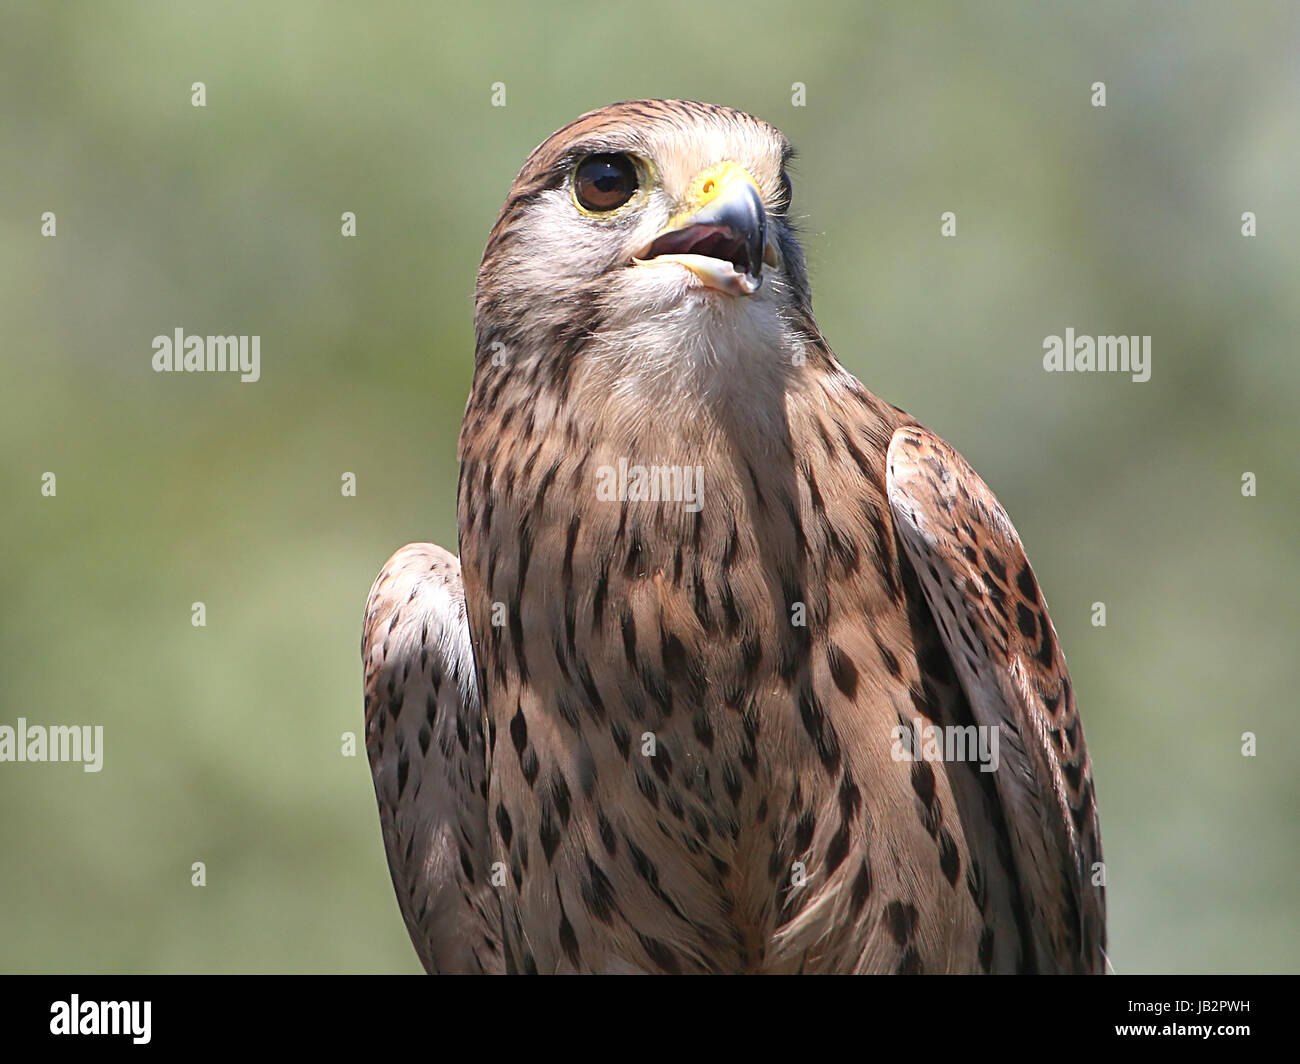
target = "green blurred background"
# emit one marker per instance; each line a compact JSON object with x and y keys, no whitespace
{"x":222,"y":744}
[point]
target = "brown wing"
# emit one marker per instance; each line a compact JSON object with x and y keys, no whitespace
{"x":986,"y":602}
{"x":424,"y":737}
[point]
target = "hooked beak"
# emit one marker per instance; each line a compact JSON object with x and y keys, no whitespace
{"x":722,"y":236}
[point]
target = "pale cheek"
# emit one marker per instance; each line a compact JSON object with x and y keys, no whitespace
{"x":655,"y":288}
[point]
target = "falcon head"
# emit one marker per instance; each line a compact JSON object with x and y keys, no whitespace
{"x":650,"y":234}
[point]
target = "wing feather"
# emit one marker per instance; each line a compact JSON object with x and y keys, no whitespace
{"x":984,"y":597}
{"x":424,"y":738}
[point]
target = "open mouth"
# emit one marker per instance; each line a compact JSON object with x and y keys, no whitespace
{"x":709,"y":241}
{"x":716,"y":254}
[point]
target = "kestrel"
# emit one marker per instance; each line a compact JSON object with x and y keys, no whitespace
{"x":717,"y":609}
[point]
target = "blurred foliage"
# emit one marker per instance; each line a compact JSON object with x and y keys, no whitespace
{"x":223,"y":743}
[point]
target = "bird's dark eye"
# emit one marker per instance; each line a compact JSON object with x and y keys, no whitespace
{"x":602,"y":183}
